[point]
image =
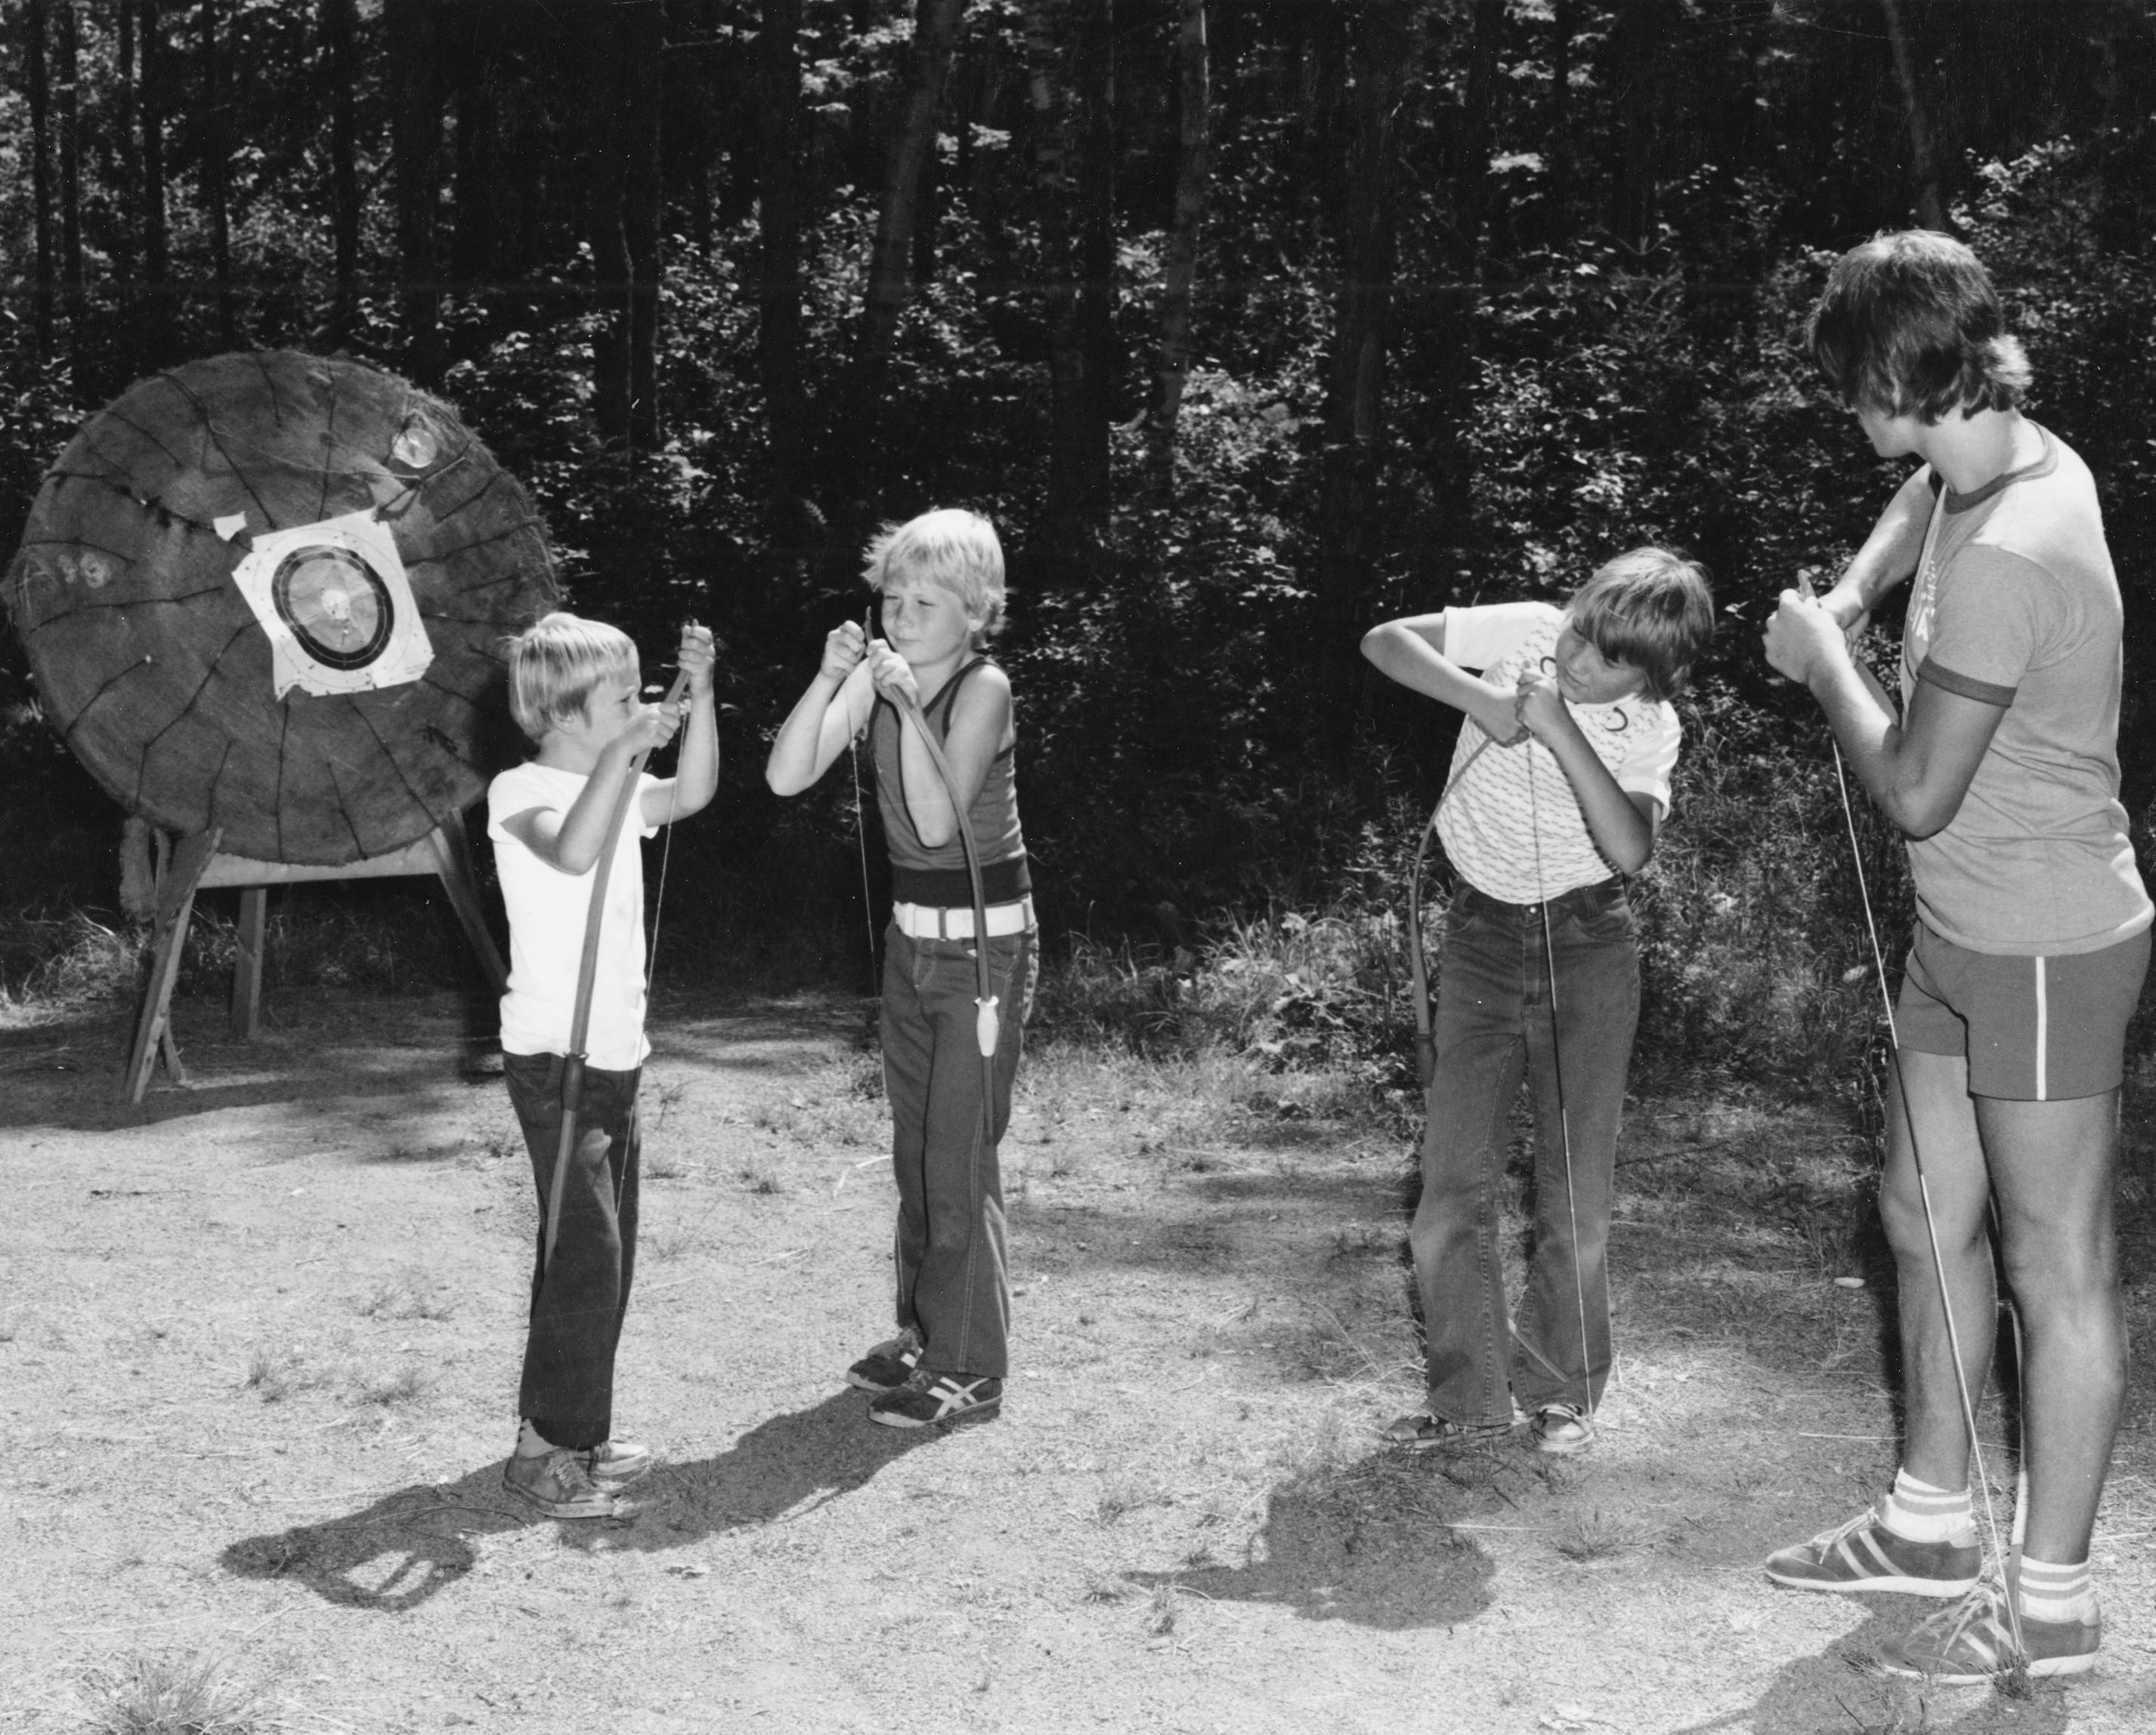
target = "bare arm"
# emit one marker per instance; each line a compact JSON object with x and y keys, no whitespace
{"x":1622,"y":822}
{"x":1917,"y":770}
{"x":826,"y":716}
{"x":570,"y":841}
{"x":695,"y":778}
{"x":1889,"y":555}
{"x":1411,"y":651}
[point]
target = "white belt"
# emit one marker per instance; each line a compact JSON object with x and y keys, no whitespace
{"x":930,"y":922}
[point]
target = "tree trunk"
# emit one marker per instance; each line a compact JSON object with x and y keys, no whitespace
{"x":1470,"y":173}
{"x":935,"y":33}
{"x":158,"y":337}
{"x":1073,"y":102}
{"x":67,"y":113}
{"x":1194,"y":131}
{"x":778,"y":223}
{"x":1637,"y":46}
{"x":215,"y":161}
{"x":624,"y":207}
{"x":1924,"y":163}
{"x":1558,"y":230}
{"x":35,"y":30}
{"x":415,"y":145}
{"x":1380,"y":65}
{"x":338,"y":21}
{"x":127,"y":156}
{"x":472,"y":44}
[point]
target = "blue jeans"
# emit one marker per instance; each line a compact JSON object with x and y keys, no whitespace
{"x":952,"y":1278}
{"x":1494,"y":1023}
{"x":579,"y":1302}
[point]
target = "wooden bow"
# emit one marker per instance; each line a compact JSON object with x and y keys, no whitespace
{"x":587,"y":970}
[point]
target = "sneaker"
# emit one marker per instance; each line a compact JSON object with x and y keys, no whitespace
{"x":1422,"y":1431}
{"x":1972,"y":1642}
{"x":1563,"y":1429}
{"x":558,"y":1484}
{"x":616,"y":1463}
{"x":889,"y":1365}
{"x":1865,"y":1555}
{"x":929,"y":1398}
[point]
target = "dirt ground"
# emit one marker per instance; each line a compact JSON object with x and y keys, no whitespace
{"x":258,"y":1341}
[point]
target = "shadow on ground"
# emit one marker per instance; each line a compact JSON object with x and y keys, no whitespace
{"x":1368,"y":1542}
{"x":1866,"y":1701}
{"x":409,"y":1545}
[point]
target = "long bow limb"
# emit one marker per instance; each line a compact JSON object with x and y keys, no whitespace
{"x":987,"y":1024}
{"x":587,"y":970}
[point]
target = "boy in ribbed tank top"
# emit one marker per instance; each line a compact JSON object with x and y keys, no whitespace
{"x":940,"y":579}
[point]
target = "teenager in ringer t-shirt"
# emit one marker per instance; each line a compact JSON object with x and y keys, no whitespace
{"x":2032,"y":940}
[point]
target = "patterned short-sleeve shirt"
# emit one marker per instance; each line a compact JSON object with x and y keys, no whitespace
{"x":1511,"y":825}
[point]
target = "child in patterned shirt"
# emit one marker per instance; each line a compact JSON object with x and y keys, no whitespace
{"x":1560,"y":779}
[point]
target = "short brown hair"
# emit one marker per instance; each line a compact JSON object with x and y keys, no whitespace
{"x":1651,"y":609}
{"x":555,"y":664}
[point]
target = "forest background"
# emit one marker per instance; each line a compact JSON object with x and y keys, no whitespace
{"x":1249,"y":324}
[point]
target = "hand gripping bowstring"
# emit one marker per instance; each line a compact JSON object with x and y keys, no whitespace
{"x":2006,"y":1560}
{"x":588,"y":968}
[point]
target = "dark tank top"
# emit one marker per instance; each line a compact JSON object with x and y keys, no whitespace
{"x":920,"y":875}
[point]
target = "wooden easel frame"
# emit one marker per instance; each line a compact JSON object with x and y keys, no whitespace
{"x":193,"y":864}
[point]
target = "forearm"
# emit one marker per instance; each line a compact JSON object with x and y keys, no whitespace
{"x":1889,"y":554}
{"x":793,"y":763}
{"x":1624,"y":835}
{"x":696,"y":777}
{"x":1872,"y":740}
{"x":584,"y":827}
{"x":1401,"y":654}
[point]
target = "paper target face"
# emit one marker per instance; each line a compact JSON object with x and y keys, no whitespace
{"x":335,"y":604}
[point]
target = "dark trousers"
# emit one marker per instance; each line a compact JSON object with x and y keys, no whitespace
{"x":952,"y":1278}
{"x":1494,"y":1023}
{"x":579,"y":1302}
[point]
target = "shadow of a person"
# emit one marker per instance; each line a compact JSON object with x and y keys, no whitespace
{"x":1366,"y":1542}
{"x":411,"y":1543}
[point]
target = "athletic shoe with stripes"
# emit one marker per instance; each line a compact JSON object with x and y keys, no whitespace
{"x":888,"y":1366}
{"x":928,"y":1399}
{"x":1865,"y":1555}
{"x":1972,"y":1642}
{"x":614,"y":1464}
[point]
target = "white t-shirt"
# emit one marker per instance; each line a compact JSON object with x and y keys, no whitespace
{"x":547,"y":909}
{"x":1511,"y":825}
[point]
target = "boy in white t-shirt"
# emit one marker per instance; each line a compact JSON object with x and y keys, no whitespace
{"x":573,"y":687}
{"x":1560,"y":779}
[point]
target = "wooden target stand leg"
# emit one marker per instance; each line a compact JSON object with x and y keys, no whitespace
{"x":194,"y":865}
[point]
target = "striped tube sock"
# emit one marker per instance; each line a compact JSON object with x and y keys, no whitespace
{"x":1918,"y":1512}
{"x":2057,"y":1592}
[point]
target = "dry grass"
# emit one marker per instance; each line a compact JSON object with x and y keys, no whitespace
{"x":194,"y":1694}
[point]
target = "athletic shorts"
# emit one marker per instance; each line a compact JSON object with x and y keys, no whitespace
{"x":2033,"y":1030}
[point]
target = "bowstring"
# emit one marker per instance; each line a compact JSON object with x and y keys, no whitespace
{"x":2000,"y":1556}
{"x":1557,"y":1078}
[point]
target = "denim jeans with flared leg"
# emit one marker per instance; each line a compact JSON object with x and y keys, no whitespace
{"x":578,"y":1304}
{"x":1495,"y":1024}
{"x":953,"y":1284}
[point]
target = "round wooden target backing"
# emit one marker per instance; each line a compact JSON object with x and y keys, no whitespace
{"x":153,"y":667}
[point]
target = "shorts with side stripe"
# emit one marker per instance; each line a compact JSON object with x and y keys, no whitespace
{"x":2033,"y":1030}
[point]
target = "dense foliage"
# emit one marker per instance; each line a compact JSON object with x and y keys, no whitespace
{"x":1462,"y":347}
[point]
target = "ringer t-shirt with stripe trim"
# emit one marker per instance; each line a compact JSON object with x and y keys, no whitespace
{"x":1511,"y":826}
{"x":2015,"y":604}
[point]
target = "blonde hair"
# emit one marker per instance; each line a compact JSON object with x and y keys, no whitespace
{"x":950,"y":547}
{"x":555,"y":664}
{"x":1651,"y":608}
